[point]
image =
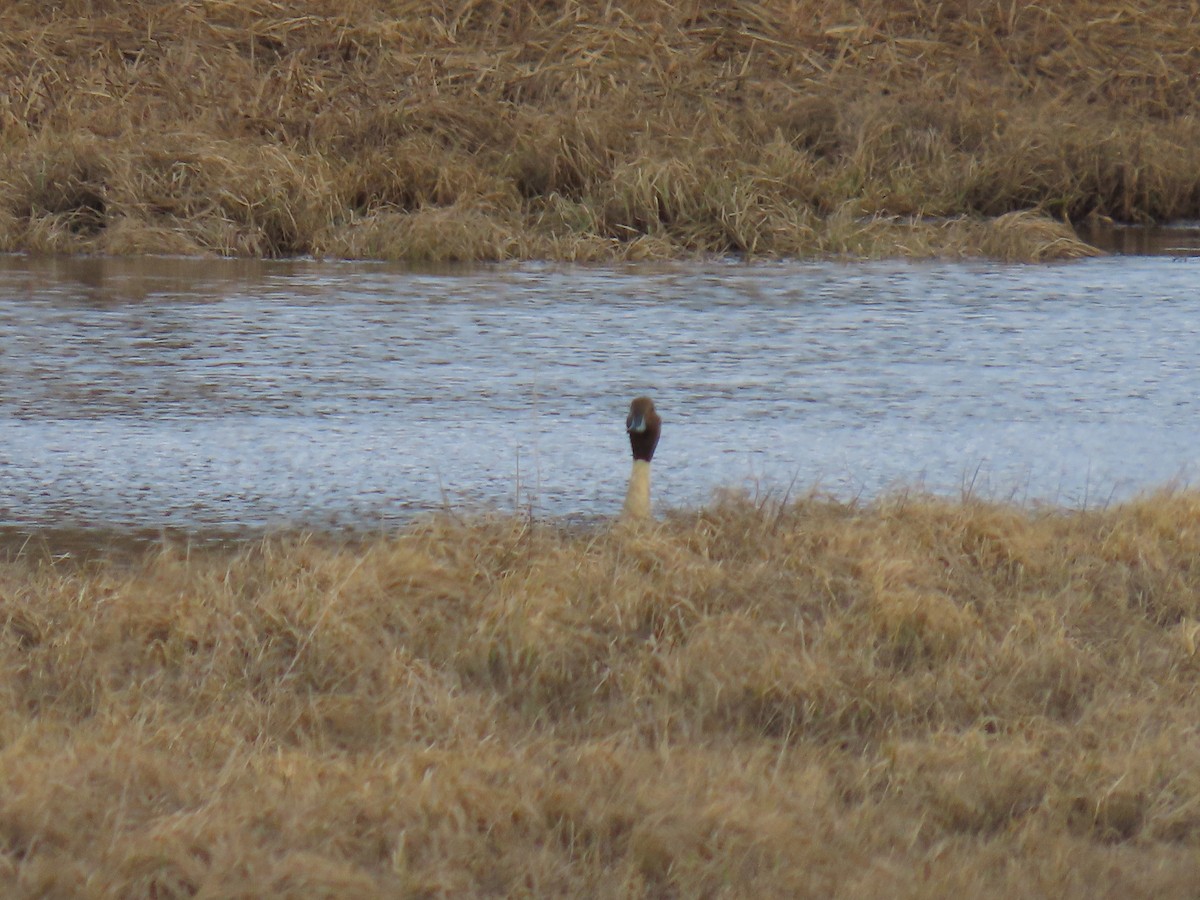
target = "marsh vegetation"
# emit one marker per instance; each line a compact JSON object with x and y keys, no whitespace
{"x":492,"y":129}
{"x":916,"y":697}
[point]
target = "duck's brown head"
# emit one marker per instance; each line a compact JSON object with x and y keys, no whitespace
{"x":643,"y":426}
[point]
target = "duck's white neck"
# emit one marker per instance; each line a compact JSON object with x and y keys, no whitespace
{"x":637,"y":498}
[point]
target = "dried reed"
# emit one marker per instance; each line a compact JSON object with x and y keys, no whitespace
{"x":917,"y":698}
{"x":486,"y":129}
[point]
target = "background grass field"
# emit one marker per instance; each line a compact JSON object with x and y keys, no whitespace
{"x":492,"y":129}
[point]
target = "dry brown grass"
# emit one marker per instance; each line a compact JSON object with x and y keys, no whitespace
{"x":495,"y":129}
{"x":913,"y":698}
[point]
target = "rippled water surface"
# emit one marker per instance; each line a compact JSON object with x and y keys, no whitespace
{"x":223,"y":394}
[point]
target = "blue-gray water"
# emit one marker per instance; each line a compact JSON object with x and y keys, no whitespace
{"x":224,"y":394}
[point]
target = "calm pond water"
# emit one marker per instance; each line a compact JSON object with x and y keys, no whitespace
{"x":242,"y":395}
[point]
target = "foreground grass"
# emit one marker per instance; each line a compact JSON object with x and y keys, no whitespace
{"x":493,"y":129}
{"x":914,"y":698}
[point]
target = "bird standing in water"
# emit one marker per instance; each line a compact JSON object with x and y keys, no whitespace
{"x":643,"y":426}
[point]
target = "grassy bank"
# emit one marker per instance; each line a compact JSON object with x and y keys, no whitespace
{"x":491,"y":129}
{"x":913,"y":698}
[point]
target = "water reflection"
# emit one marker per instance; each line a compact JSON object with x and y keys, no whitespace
{"x":235,"y":394}
{"x":1178,"y":240}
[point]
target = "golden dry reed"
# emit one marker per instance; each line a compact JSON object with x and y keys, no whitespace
{"x":498,"y":129}
{"x":913,"y":698}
